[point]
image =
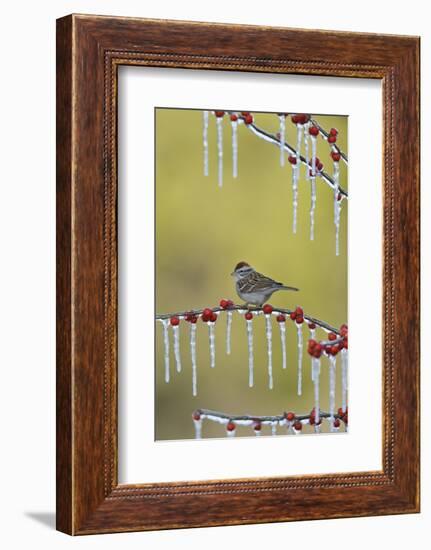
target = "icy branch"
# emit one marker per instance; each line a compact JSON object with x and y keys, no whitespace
{"x":270,"y":138}
{"x":235,"y":307}
{"x":293,"y":422}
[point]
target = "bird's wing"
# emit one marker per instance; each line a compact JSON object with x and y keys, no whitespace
{"x":256,"y":282}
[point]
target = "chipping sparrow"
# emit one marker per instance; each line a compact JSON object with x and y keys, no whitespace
{"x":253,"y":287}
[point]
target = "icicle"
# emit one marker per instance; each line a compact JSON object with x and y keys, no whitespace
{"x":313,"y":155}
{"x":295,"y":176}
{"x":257,"y":432}
{"x":282,"y":326}
{"x":176,"y":330}
{"x":282,"y":119}
{"x":193,"y":355}
{"x":307,"y":151}
{"x":166,"y":324}
{"x":312,"y":207}
{"x":234,"y":148}
{"x":268,"y":327}
{"x":211,"y":331}
{"x":299,"y":135}
{"x":274,"y":428}
{"x":312,"y":333}
{"x":344,"y":366}
{"x":205,"y":141}
{"x":299,"y":333}
{"x":332,"y":377}
{"x":337,"y":208}
{"x":219,"y":121}
{"x":228,"y":332}
{"x":316,"y":380}
{"x":250,"y":352}
{"x":198,"y":428}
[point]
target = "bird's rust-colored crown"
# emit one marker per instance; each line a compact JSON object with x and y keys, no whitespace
{"x":241,"y":264}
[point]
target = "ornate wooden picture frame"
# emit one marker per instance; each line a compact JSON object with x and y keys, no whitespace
{"x":89,"y":51}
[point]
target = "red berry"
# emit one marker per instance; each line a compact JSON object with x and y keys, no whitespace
{"x":229,"y":303}
{"x":332,"y":336}
{"x":223,"y":304}
{"x":175,"y":321}
{"x":299,"y":311}
{"x":248,"y":119}
{"x":333,"y":132}
{"x":346,"y":343}
{"x":339,"y":197}
{"x":219,"y":114}
{"x":312,"y":344}
{"x":213,"y":317}
{"x":340,"y":411}
{"x":230,"y":426}
{"x":245,"y":113}
{"x":298,"y":425}
{"x":299,"y":319}
{"x":345,"y":419}
{"x":249,"y":315}
{"x":233,"y":117}
{"x":344,"y":330}
{"x":257,"y":426}
{"x":290,"y":416}
{"x":317,"y":352}
{"x":267,"y":309}
{"x":196,"y":415}
{"x":291,"y":159}
{"x":292,"y":315}
{"x":313,"y":131}
{"x":319,"y":166}
{"x":311,"y":326}
{"x":332,"y":139}
{"x":334,"y":350}
{"x":335,"y":156}
{"x":300,"y":119}
{"x":194,"y":319}
{"x":207,"y":312}
{"x":337,"y":423}
{"x":281,"y":318}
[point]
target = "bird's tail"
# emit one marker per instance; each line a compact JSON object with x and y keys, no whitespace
{"x":289,"y":288}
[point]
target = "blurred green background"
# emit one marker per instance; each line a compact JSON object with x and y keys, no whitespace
{"x":202,"y":231}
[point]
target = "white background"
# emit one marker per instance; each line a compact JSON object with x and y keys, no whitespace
{"x":143,"y":460}
{"x":27,"y":152}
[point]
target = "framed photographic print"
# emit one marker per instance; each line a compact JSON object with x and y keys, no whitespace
{"x":234,"y":202}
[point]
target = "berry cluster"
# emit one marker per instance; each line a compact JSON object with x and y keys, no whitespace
{"x":343,"y":415}
{"x":226,"y":304}
{"x":297,"y":315}
{"x":334,"y":344}
{"x":208,"y":315}
{"x":300,"y":118}
{"x":332,"y":137}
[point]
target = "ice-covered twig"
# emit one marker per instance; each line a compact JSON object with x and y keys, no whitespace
{"x":250,"y":420}
{"x":270,"y":138}
{"x":235,"y":307}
